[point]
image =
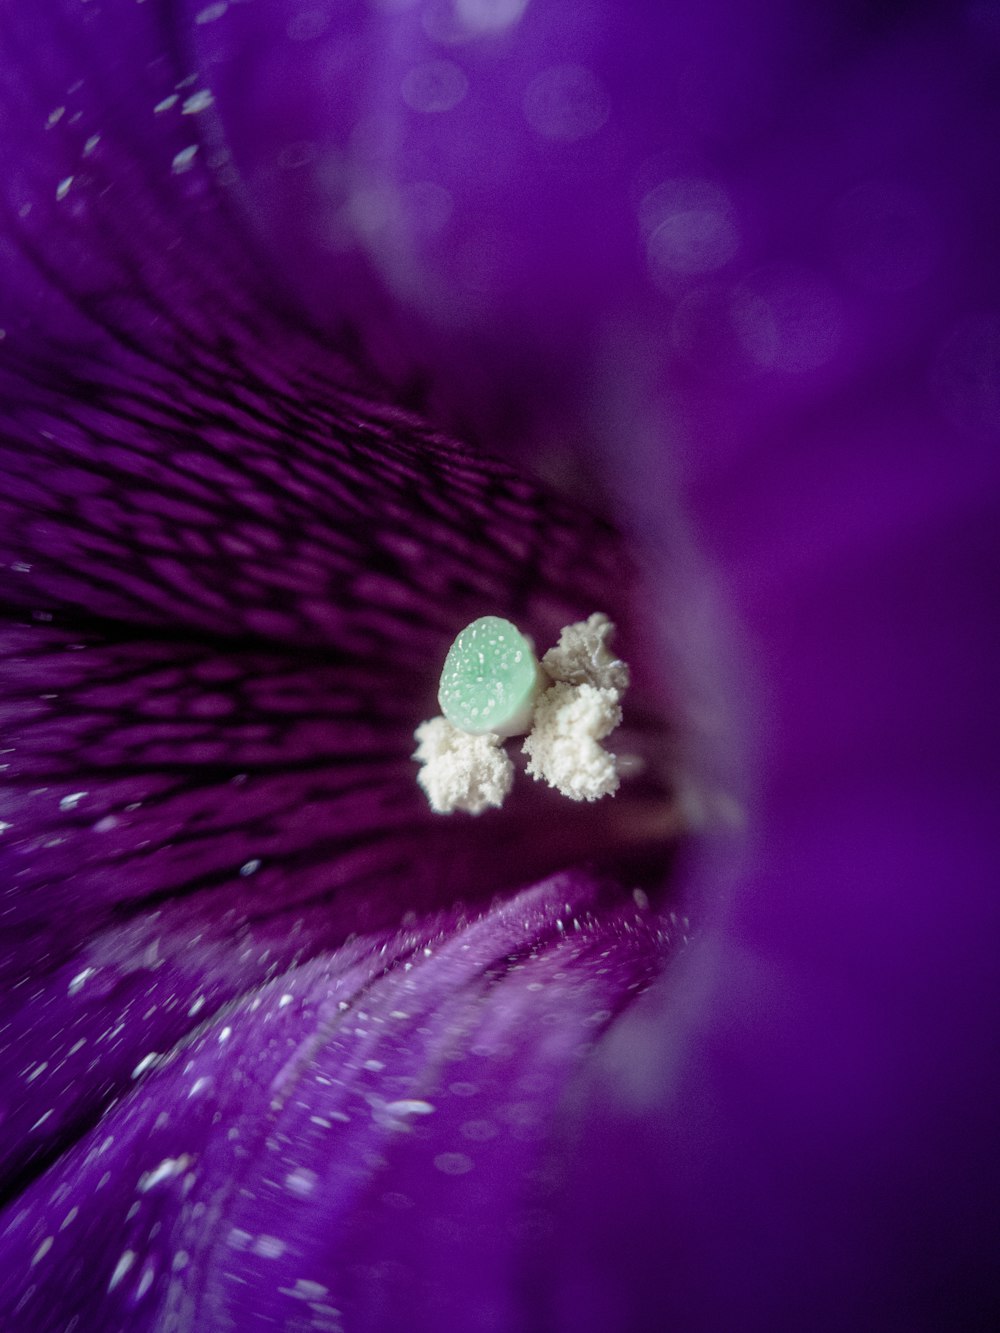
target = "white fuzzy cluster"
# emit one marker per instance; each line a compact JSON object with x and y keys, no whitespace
{"x":583,"y":656}
{"x":571,"y":717}
{"x":564,"y":746}
{"x":579,"y":709}
{"x":461,"y":771}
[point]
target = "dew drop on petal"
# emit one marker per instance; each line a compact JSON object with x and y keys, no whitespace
{"x":453,"y":1163}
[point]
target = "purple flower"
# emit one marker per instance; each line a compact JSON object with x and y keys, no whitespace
{"x":280,"y":1048}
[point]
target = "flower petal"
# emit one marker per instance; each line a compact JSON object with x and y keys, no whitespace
{"x":370,"y":1135}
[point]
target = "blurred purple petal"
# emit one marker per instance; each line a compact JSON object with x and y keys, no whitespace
{"x":808,"y":1104}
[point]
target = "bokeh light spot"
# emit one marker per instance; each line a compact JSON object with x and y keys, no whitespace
{"x":690,"y":228}
{"x":788,"y":319}
{"x":566,"y":103}
{"x":438,"y":85}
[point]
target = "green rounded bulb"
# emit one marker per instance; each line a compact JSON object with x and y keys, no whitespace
{"x":490,"y":680}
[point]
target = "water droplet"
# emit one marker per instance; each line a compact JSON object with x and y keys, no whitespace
{"x":453,"y":1163}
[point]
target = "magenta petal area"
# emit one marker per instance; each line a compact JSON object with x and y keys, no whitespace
{"x":268,"y":1027}
{"x":362,"y":1142}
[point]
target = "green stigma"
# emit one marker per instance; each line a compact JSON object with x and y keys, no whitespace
{"x":490,"y":680}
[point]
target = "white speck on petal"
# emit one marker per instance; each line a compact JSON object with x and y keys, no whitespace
{"x":482,"y":16}
{"x":307,"y":1290}
{"x":409,"y":1106}
{"x":211,"y":12}
{"x":169,"y":1167}
{"x":42,"y":1250}
{"x":302,"y":1181}
{"x":184,"y":160}
{"x":199,"y":101}
{"x":121,"y":1268}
